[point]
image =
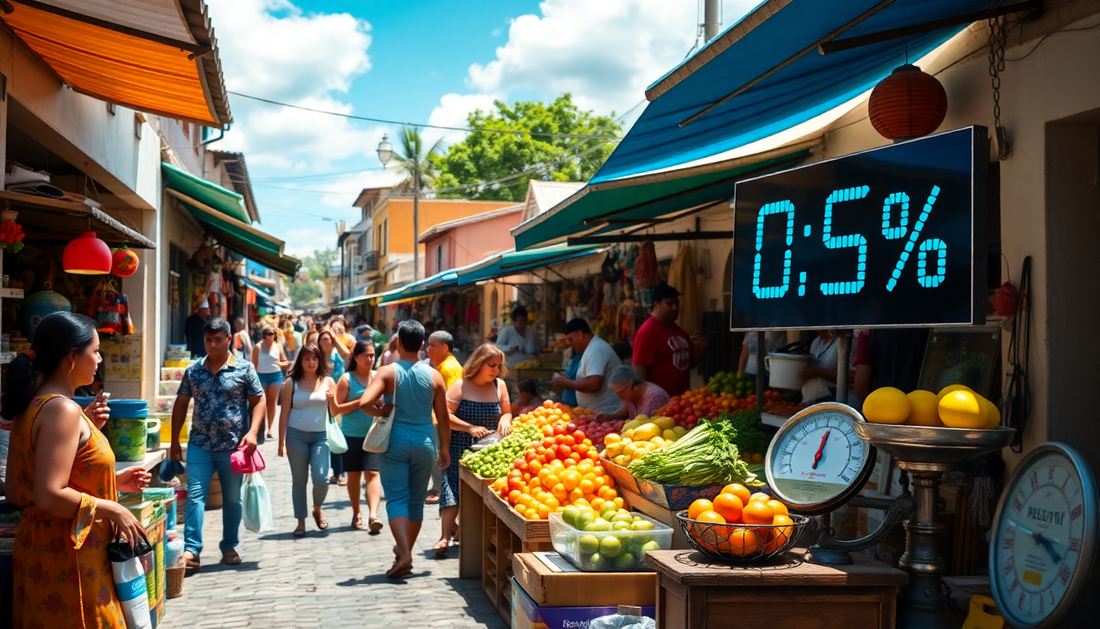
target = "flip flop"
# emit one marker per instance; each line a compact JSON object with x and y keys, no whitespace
{"x":231,"y":558}
{"x":342,"y":481}
{"x":441,"y":551}
{"x":319,"y":518}
{"x":357,"y":522}
{"x":432,"y":500}
{"x":300,"y":532}
{"x":375,"y":526}
{"x":400,"y":570}
{"x":192,"y":563}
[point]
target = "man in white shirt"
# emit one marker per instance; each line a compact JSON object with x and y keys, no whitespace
{"x":517,"y":341}
{"x":597,"y":361}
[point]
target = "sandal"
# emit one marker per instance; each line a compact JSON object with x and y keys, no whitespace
{"x":231,"y":558}
{"x":432,"y":499}
{"x":375,"y":526}
{"x":399,"y":570}
{"x":342,"y":481}
{"x":319,"y":518}
{"x":191,"y":561}
{"x":440,"y":549}
{"x":300,"y":532}
{"x":357,"y":522}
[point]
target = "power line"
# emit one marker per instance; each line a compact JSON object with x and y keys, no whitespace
{"x":609,"y":138}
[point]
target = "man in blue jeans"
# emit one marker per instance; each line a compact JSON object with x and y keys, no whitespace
{"x":229,"y":412}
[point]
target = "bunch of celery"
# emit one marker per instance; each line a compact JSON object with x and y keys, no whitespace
{"x":704,"y":456}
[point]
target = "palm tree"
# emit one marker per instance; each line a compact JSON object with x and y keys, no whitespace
{"x":411,"y":158}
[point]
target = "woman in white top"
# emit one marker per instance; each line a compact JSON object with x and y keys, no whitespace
{"x":270,"y":360}
{"x":306,"y":403}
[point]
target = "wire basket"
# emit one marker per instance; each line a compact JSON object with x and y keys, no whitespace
{"x":746,"y":543}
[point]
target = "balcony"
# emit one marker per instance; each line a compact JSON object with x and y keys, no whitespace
{"x":369,"y":263}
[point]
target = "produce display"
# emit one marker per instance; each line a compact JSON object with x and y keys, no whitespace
{"x":560,"y":470}
{"x":706,"y":455}
{"x":766,"y":527}
{"x":639,"y":437}
{"x":494,"y":461}
{"x":956,"y":406}
{"x":528,"y":364}
{"x":596,"y":431}
{"x":611,"y":539}
{"x":741,"y":385}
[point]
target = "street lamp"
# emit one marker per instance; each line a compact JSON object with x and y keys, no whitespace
{"x":385,"y":153}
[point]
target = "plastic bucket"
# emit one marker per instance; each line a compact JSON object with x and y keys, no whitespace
{"x":784,"y":370}
{"x":127,"y":437}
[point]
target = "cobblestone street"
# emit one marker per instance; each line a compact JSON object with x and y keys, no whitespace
{"x":327,"y":579}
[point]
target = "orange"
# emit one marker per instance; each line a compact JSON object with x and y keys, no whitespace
{"x":618,"y":502}
{"x":559,"y":491}
{"x":778,"y":508}
{"x":570,"y":479}
{"x":576,"y":495}
{"x":759,"y":496}
{"x":597,"y":503}
{"x":712,"y":517}
{"x":587,"y":486}
{"x":779,"y":536}
{"x":757,"y":512}
{"x":524,"y":499}
{"x":698,"y":507}
{"x":743,"y":542}
{"x":729,"y":507}
{"x":738,"y":490}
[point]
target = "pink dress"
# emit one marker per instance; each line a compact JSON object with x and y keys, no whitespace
{"x":653,"y":399}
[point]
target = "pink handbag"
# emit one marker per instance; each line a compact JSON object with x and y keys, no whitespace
{"x":239,"y":464}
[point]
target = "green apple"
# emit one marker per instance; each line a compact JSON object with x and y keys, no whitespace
{"x":610,"y":546}
{"x":588,"y":544}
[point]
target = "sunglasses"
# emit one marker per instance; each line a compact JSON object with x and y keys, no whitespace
{"x":269,"y":334}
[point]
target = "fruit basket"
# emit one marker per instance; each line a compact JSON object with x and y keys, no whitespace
{"x":610,"y":550}
{"x":746,"y":543}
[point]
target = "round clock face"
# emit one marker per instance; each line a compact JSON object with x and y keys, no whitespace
{"x":817,"y":460}
{"x":1044,"y":539}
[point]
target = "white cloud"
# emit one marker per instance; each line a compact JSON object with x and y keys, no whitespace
{"x":301,"y":241}
{"x":452,"y":112}
{"x":272,"y":49}
{"x":605,"y":53}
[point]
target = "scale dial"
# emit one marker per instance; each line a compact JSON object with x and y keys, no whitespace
{"x":1044,"y":537}
{"x":817,"y":461}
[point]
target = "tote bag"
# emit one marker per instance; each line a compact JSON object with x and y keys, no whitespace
{"x":334,"y":437}
{"x":378,"y":437}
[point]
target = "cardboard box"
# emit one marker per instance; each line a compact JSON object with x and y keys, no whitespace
{"x":526,"y":614}
{"x":550,"y":580}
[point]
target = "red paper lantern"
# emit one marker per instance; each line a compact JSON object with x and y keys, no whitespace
{"x":124,"y":262}
{"x":87,"y":255}
{"x":907,"y":104}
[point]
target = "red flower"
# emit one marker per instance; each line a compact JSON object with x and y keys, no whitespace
{"x":36,"y":573}
{"x":53,"y":603}
{"x":104,"y":597}
{"x":10,"y":232}
{"x":72,"y":577}
{"x":57,"y":546}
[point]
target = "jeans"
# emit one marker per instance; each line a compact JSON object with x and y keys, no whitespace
{"x":201,"y":465}
{"x":406,"y":469}
{"x":308,"y":455}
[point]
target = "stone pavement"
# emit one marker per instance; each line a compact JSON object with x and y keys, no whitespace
{"x":328,"y":579}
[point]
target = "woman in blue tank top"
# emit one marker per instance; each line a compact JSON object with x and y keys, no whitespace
{"x":414,"y":390}
{"x":358,"y":464}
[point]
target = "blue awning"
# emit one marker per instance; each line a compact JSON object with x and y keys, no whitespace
{"x":770,"y":36}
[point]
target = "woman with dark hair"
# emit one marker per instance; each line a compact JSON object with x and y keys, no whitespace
{"x":62,"y":474}
{"x":337,"y":355}
{"x":270,"y":360}
{"x":478,"y":406}
{"x":306,"y":403}
{"x":354,"y":424}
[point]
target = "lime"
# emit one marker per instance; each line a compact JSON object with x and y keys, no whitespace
{"x":596,"y":561}
{"x":569,"y":514}
{"x":610,"y":546}
{"x":624,"y":561}
{"x":620,"y":526}
{"x":583,"y":520}
{"x":642,"y":525}
{"x":599,"y":524}
{"x":588,"y":544}
{"x":650,"y":546}
{"x":622,"y":517}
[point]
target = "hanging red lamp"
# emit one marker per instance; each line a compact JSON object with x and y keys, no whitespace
{"x":907,"y":104}
{"x":87,"y":255}
{"x":124,"y":262}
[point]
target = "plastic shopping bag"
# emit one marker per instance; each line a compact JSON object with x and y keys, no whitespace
{"x":258,"y":517}
{"x":627,"y":618}
{"x":130,"y":584}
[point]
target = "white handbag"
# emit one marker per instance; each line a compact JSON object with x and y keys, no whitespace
{"x":378,"y":437}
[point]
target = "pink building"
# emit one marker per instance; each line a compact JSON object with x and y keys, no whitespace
{"x":468,"y":240}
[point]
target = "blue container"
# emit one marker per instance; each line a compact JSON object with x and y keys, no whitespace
{"x":128,"y":409}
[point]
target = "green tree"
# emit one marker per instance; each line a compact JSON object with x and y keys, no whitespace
{"x":485,"y":156}
{"x":318,"y":263}
{"x":304,"y":292}
{"x":410,"y":155}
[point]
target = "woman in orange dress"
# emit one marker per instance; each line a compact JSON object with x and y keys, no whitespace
{"x":61,"y":471}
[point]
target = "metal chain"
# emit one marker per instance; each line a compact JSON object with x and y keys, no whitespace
{"x":998,"y":37}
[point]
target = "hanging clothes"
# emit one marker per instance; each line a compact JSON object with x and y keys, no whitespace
{"x":682,"y":277}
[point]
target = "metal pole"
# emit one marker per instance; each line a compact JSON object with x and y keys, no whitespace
{"x":416,"y":217}
{"x":712,"y":25}
{"x":761,"y":352}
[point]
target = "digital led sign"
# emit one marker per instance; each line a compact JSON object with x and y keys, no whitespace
{"x":893,"y":236}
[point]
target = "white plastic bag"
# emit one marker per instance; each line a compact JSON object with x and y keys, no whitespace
{"x":627,"y":618}
{"x":258,"y":517}
{"x":130,"y":584}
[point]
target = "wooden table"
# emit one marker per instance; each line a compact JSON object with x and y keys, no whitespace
{"x":695,"y":592}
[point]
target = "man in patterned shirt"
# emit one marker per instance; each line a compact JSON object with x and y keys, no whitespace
{"x":229,"y":413}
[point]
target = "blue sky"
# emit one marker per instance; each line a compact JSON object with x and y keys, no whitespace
{"x":418,"y":61}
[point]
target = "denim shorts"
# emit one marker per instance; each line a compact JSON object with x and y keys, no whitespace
{"x":274,"y":378}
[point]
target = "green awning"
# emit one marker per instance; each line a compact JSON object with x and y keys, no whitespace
{"x":516,"y":262}
{"x":239,"y":236}
{"x":225,"y":201}
{"x":634,"y":200}
{"x":423,"y":288}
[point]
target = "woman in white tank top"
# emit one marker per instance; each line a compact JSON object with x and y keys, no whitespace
{"x":270,"y":360}
{"x":306,"y":400}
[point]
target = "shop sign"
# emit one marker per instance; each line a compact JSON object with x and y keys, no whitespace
{"x":894,"y":236}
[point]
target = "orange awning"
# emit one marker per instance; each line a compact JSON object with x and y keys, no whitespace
{"x":162,"y":62}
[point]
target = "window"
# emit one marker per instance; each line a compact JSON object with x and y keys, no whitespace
{"x":438,"y":258}
{"x":382,"y":227}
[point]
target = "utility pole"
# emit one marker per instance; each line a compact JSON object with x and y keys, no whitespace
{"x":712,"y":23}
{"x":416,"y":218}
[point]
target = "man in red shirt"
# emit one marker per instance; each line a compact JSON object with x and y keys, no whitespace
{"x":663,"y":352}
